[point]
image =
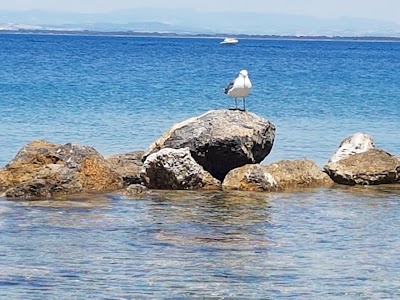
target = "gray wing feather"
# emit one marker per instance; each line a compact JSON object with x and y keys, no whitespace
{"x":230,"y":85}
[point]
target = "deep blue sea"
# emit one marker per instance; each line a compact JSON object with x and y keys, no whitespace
{"x":119,"y":94}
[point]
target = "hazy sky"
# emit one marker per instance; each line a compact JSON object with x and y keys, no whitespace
{"x":388,"y":10}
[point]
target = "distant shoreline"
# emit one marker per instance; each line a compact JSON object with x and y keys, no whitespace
{"x":187,"y":35}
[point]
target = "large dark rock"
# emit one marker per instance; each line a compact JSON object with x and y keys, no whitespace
{"x":221,"y":140}
{"x":175,"y":169}
{"x":43,"y":169}
{"x":372,"y":167}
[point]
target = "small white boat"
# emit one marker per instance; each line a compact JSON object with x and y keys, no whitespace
{"x":230,"y":41}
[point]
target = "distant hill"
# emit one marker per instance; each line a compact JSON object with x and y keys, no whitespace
{"x":191,"y":22}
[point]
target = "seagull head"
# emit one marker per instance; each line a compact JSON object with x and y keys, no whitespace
{"x":244,"y":73}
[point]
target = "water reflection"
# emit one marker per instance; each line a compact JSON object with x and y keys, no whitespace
{"x":80,"y":201}
{"x":83,"y":211}
{"x":370,"y":191}
{"x":225,"y":220}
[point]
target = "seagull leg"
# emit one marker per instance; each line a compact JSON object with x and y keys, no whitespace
{"x":236,"y":102}
{"x":244,"y":104}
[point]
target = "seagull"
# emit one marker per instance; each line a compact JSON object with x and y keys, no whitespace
{"x":240,"y":88}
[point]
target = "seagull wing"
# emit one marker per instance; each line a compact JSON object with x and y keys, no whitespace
{"x":247,"y":83}
{"x":230,"y":85}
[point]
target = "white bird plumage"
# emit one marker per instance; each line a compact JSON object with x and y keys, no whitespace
{"x":240,"y":88}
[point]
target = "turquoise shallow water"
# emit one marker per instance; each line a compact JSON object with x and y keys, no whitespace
{"x":119,"y":94}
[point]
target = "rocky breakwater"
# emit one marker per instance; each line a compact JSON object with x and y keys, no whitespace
{"x":199,"y":152}
{"x":218,"y":150}
{"x":44,"y":169}
{"x":358,"y":161}
{"x":194,"y":154}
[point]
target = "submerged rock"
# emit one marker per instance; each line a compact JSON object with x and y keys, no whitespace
{"x":176,"y":169}
{"x":137,"y":191}
{"x":221,"y":140}
{"x":372,"y":167}
{"x":44,"y":169}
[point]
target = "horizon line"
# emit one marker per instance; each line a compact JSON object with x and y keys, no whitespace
{"x":199,"y":35}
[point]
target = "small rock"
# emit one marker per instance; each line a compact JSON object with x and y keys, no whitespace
{"x":283,"y":175}
{"x":128,"y":165}
{"x":372,"y":167}
{"x":298,"y":173}
{"x":249,"y":178}
{"x":176,"y":169}
{"x":357,"y":143}
{"x":137,"y":190}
